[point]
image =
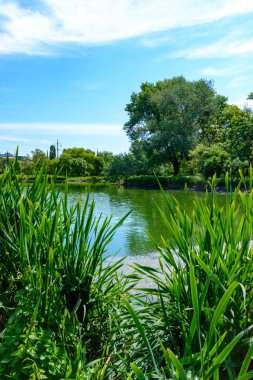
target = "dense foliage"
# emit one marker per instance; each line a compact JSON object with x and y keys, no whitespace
{"x":176,"y":121}
{"x":57,"y":297}
{"x":170,"y":115}
{"x":67,"y":312}
{"x":201,"y":303}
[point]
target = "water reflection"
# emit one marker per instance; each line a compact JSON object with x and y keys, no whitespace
{"x":131,"y":237}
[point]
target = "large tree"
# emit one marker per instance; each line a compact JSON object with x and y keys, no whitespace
{"x":169,"y":116}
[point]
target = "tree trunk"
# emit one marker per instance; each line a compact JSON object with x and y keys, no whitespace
{"x":176,"y":165}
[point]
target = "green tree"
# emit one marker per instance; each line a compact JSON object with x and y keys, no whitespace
{"x":53,"y":166}
{"x":237,"y":127}
{"x":79,"y":167}
{"x":250,"y":96}
{"x":52,"y":152}
{"x":170,"y":115}
{"x":231,"y":146}
{"x":123,"y":165}
{"x":80,"y":161}
{"x":39,"y":157}
{"x":106,"y":158}
{"x":210,"y":160}
{"x":26,"y":166}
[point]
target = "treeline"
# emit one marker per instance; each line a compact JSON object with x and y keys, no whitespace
{"x":176,"y":127}
{"x":73,"y":161}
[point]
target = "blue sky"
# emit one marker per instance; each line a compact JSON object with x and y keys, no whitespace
{"x":68,"y":68}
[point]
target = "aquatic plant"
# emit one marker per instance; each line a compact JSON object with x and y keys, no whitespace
{"x":57,"y":296}
{"x":200,"y":305}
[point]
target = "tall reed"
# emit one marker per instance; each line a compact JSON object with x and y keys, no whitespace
{"x":197,"y":322}
{"x":65,"y":312}
{"x":56,"y":293}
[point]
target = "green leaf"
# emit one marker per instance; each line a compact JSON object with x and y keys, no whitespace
{"x":221,"y":307}
{"x":246,"y":376}
{"x":140,"y":375}
{"x":246,"y":362}
{"x":226,"y":351}
{"x":141,"y":329}
{"x":178,"y":366}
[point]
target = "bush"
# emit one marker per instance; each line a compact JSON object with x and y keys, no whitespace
{"x":146,"y":181}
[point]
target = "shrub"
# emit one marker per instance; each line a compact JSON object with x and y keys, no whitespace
{"x":146,"y":181}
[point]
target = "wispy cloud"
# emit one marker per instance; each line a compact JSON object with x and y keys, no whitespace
{"x":242,"y":102}
{"x":217,"y":71}
{"x":92,"y":86}
{"x":59,"y":22}
{"x":237,"y":81}
{"x":231,"y":45}
{"x":28,"y":136}
{"x":226,"y":71}
{"x":154,"y":41}
{"x":81,"y":130}
{"x":14,"y":139}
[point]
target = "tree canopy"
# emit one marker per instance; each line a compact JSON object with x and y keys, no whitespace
{"x":170,"y":115}
{"x":80,"y":162}
{"x":39,"y":157}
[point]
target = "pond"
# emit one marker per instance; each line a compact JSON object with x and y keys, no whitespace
{"x":131,"y":238}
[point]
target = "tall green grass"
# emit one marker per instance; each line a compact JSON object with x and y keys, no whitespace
{"x":200,"y":305}
{"x":67,"y":313}
{"x":57,"y":295}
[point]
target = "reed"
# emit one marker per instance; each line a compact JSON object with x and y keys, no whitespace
{"x":201,"y":301}
{"x":56,"y":293}
{"x":67,"y":313}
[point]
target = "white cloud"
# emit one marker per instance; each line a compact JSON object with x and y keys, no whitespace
{"x":88,"y":86}
{"x":99,"y":21}
{"x":29,"y":136}
{"x":231,"y":45}
{"x":81,"y":130}
{"x":231,"y":70}
{"x":242,"y":102}
{"x":154,"y":41}
{"x":15,"y":139}
{"x":24,"y":31}
{"x":216,"y":72}
{"x":237,"y":82}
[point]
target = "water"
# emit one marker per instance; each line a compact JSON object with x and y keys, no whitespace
{"x":131,"y":238}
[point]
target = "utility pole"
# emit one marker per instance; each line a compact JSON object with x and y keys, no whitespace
{"x":58,"y":146}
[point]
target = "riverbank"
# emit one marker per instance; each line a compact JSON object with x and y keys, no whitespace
{"x":179,"y":182}
{"x":192,"y":183}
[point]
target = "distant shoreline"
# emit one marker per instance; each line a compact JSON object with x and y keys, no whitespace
{"x":199,"y":186}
